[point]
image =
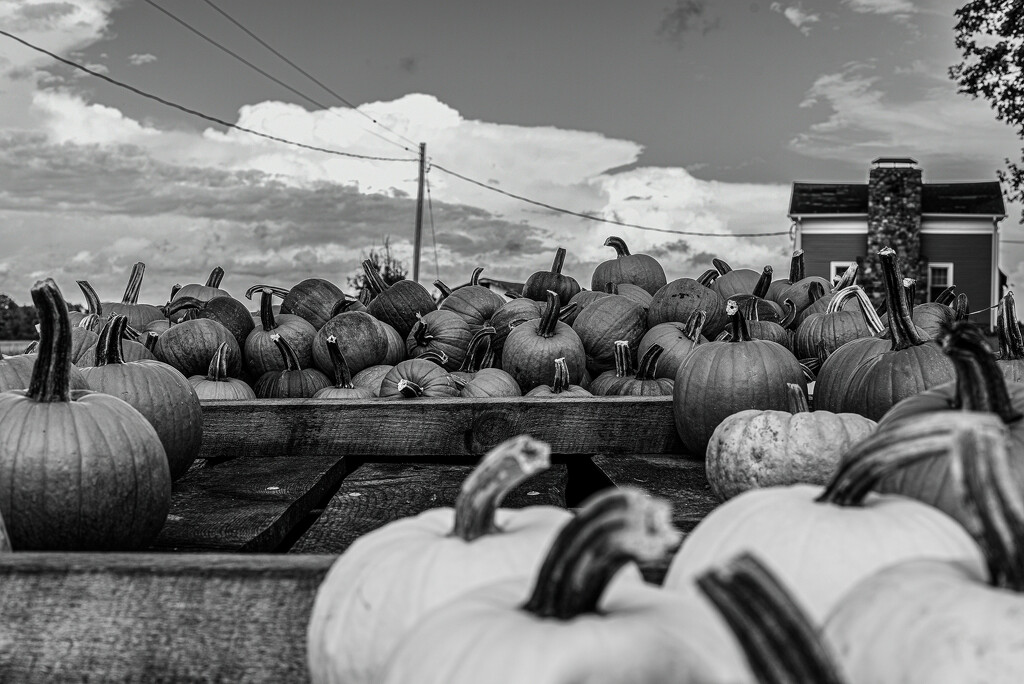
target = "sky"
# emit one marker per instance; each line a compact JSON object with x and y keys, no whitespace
{"x":680,"y":115}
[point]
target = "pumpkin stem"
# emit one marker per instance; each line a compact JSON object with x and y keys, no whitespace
{"x":721,"y":266}
{"x":559,"y":261}
{"x":342,"y":373}
{"x":872,"y":319}
{"x":478,"y":350}
{"x":267,"y":310}
{"x":982,"y":472}
{"x":568,"y":310}
{"x":961,"y":307}
{"x":848,"y":278}
{"x":1011,"y":341}
{"x":148,"y":340}
{"x":810,"y":368}
{"x":763,"y":283}
{"x":815,"y":291}
{"x":739,"y":332}
{"x":218,"y":370}
{"x":910,"y":287}
{"x":648,"y":363}
{"x":108,"y":347}
{"x":279,"y":292}
{"x":409,"y":389}
{"x":420,"y":332}
{"x":614,"y":527}
{"x":174,"y":289}
{"x":216,"y":275}
{"x":980,"y":384}
{"x":435,"y":356}
{"x":796,"y":398}
{"x":947,"y":296}
{"x":780,"y":642}
{"x":512,"y":294}
{"x":707,"y":277}
{"x":475,"y":278}
{"x":611,"y":288}
{"x":623,"y":359}
{"x":901,"y":325}
{"x":888,"y":451}
{"x":796,"y":267}
{"x":374,"y":282}
{"x":291,"y":361}
{"x":131,"y":292}
{"x":561,"y":380}
{"x":51,"y":372}
{"x":180,"y":304}
{"x":549,"y":317}
{"x":499,"y":472}
{"x":618,"y":244}
{"x":92,"y":300}
{"x":342,"y":305}
{"x":789,"y":319}
{"x":695,"y":324}
{"x":443,"y":289}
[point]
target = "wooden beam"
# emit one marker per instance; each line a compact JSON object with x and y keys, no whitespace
{"x":156,"y":617}
{"x":436,"y":427}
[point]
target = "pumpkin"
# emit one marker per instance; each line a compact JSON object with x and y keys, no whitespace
{"x":294,"y":382}
{"x":755,"y":301}
{"x":729,"y":283}
{"x":387,"y":579}
{"x":156,"y":390}
{"x":607,"y":382}
{"x":476,"y":378}
{"x":603,"y":322}
{"x":479,"y":354}
{"x":1011,"y":341}
{"x":342,"y":387}
{"x":83,"y":341}
{"x":641,"y":270}
{"x":679,"y":299}
{"x":217,"y":385}
{"x":16,"y":373}
{"x":312,"y":299}
{"x":645,"y":382}
{"x":227,"y":311}
{"x":138,"y":314}
{"x":582,"y":622}
{"x":718,"y":379}
{"x":81,"y":470}
{"x":203,"y":292}
{"x":837,"y":325}
{"x":912,"y":364}
{"x":820,"y":304}
{"x":93,"y":305}
{"x":523,"y":309}
{"x":131,"y":349}
{"x":362,"y":340}
{"x":933,"y":621}
{"x":260,"y":352}
{"x":582,"y":300}
{"x":419,"y":377}
{"x":560,"y":387}
{"x":532,"y":346}
{"x":777,"y":448}
{"x":539,"y":283}
{"x":395,"y":344}
{"x":371,"y":377}
{"x":474,"y":303}
{"x":189,"y":346}
{"x":758,"y":329}
{"x":399,"y":305}
{"x":677,"y":339}
{"x":804,"y":290}
{"x":443,"y":331}
{"x":822,"y":541}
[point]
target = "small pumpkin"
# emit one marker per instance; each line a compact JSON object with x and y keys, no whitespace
{"x":414,"y":378}
{"x":217,"y":385}
{"x":532,"y":346}
{"x":342,"y":387}
{"x":294,"y":382}
{"x":189,"y":345}
{"x":560,"y":387}
{"x":261,"y":354}
{"x":443,"y":331}
{"x":400,"y":304}
{"x":641,"y":270}
{"x":361,"y":337}
{"x":645,"y":382}
{"x":539,"y":283}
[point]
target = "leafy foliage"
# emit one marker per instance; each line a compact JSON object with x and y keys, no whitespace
{"x":990,"y":36}
{"x":391,"y":270}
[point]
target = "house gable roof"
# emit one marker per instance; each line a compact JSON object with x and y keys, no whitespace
{"x":977,"y":199}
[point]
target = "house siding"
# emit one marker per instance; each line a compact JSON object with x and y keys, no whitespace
{"x":971,"y":256}
{"x":822,"y":249}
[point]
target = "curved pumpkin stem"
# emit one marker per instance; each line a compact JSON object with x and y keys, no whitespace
{"x":409,"y":389}
{"x":614,"y":527}
{"x":739,"y":332}
{"x":839,"y":299}
{"x":443,"y":289}
{"x":216,"y":276}
{"x":618,"y":244}
{"x":980,"y":384}
{"x":947,"y":296}
{"x":267,"y":310}
{"x":780,"y":642}
{"x":131,"y":292}
{"x":815,"y":291}
{"x":763,"y":283}
{"x":695,"y":324}
{"x":51,"y":379}
{"x":374,"y":282}
{"x":290,"y":360}
{"x":475,"y":278}
{"x":561,"y":380}
{"x":500,"y":471}
{"x":344,"y":304}
{"x":961,"y":307}
{"x":848,"y":278}
{"x":279,"y":292}
{"x":648,"y":363}
{"x":342,"y":373}
{"x":901,"y":326}
{"x":721,"y":266}
{"x":434,"y":356}
{"x":568,"y":310}
{"x":108,"y":347}
{"x":1011,"y":340}
{"x":707,"y":277}
{"x":512,"y":294}
{"x":549,"y":318}
{"x":789,"y":319}
{"x":559,"y":261}
{"x":796,"y":398}
{"x":92,"y":300}
{"x":478,"y":349}
{"x":218,"y":370}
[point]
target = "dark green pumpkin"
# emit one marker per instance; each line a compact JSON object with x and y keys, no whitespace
{"x":730,"y":282}
{"x":677,"y":340}
{"x":443,"y":331}
{"x":473,"y":302}
{"x":227,"y":311}
{"x":416,"y":378}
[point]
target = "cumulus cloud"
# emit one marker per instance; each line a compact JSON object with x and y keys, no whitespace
{"x":138,"y":59}
{"x":797,"y":16}
{"x":881,"y":6}
{"x":57,"y":26}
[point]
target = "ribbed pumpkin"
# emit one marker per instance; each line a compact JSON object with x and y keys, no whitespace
{"x":602,"y":323}
{"x":131,"y":349}
{"x":912,"y":364}
{"x":362,"y":341}
{"x":227,"y":311}
{"x":16,"y":372}
{"x":371,"y":377}
{"x":189,"y":346}
{"x":539,"y":283}
{"x":820,"y":304}
{"x":641,"y":270}
{"x":645,"y":382}
{"x":312,"y":299}
{"x":400,"y":304}
{"x":835,"y":327}
{"x":679,"y":299}
{"x":677,"y":339}
{"x":522,"y":309}
{"x":414,"y":378}
{"x":138,"y":314}
{"x":83,"y":340}
{"x":261,"y":354}
{"x":718,"y":379}
{"x":204,"y":292}
{"x":758,"y":329}
{"x":755,"y":301}
{"x":342,"y":387}
{"x":800,"y":291}
{"x":473,"y":302}
{"x":730,"y":283}
{"x":217,"y":385}
{"x":607,"y":383}
{"x":561,"y":386}
{"x":532,"y":347}
{"x":443,"y":331}
{"x":81,"y":470}
{"x":777,"y":448}
{"x":156,"y":390}
{"x":1011,"y":341}
{"x":294,"y":382}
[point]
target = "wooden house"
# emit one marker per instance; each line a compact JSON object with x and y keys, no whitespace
{"x":945,"y":233}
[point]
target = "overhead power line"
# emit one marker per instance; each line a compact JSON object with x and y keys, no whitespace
{"x":196,"y":113}
{"x":257,"y":69}
{"x":600,"y":219}
{"x":305,"y":73}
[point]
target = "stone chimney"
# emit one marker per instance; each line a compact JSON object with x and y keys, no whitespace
{"x":894,"y":220}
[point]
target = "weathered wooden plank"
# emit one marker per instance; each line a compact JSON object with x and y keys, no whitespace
{"x":248,"y":504}
{"x":436,"y":427}
{"x":377,"y":493}
{"x":156,"y":617}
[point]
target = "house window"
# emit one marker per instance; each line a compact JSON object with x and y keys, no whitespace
{"x":940,"y":276}
{"x":836,"y":269}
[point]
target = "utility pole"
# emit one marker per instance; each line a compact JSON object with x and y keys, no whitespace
{"x":419,"y":215}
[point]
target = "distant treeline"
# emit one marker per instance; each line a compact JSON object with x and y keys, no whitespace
{"x":19,"y":322}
